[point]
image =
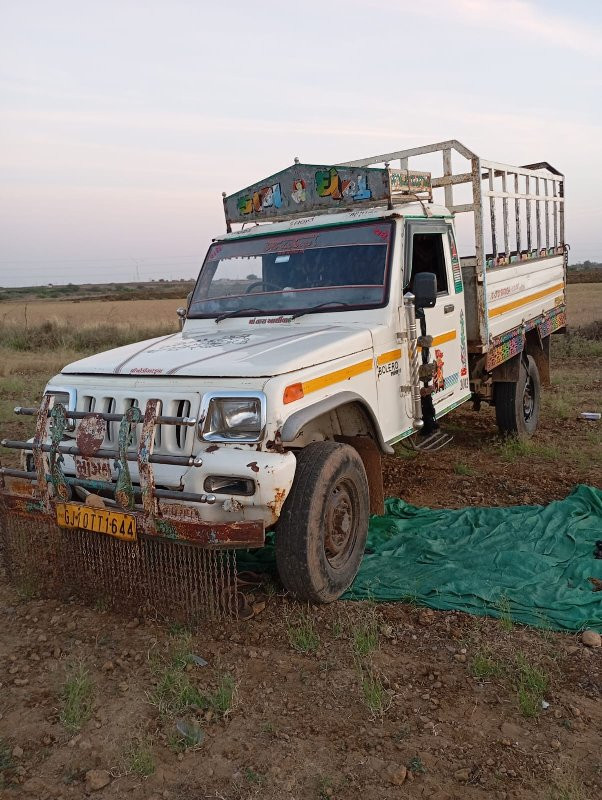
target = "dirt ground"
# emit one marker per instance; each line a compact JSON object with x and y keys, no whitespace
{"x":345,"y":701}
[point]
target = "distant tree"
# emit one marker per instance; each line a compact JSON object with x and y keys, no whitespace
{"x":252,"y":277}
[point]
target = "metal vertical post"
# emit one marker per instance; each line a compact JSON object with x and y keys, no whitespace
{"x":546,"y":206}
{"x":447,"y":173}
{"x":555,"y":210}
{"x":480,"y":270}
{"x":561,"y":193}
{"x":410,"y":310}
{"x":517,"y":215}
{"x":505,"y":213}
{"x":492,"y":214}
{"x":538,"y":215}
{"x":528,"y":211}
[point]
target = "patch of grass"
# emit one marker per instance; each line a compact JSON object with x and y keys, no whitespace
{"x":463,"y":469}
{"x":175,"y":692}
{"x":505,"y":617}
{"x":268,"y":727}
{"x":568,"y":791}
{"x":77,"y":695}
{"x":253,"y":777}
{"x":415,"y":765}
{"x":140,"y":759}
{"x":365,"y":637}
{"x":512,"y":448}
{"x":27,"y":587}
{"x":54,"y":335}
{"x":302,"y":634}
{"x":483,"y":665}
{"x":404,"y":452}
{"x":532,"y":684}
{"x":374,"y":694}
{"x":325,"y":787}
{"x":576,"y":345}
{"x":176,"y":742}
{"x":221,"y":701}
{"x":181,"y":649}
{"x":559,"y":406}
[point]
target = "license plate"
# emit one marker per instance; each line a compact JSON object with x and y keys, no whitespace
{"x":98,"y":520}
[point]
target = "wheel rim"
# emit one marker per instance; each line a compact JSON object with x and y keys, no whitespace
{"x":341,"y":523}
{"x":528,"y":399}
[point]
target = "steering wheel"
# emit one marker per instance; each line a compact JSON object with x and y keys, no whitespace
{"x":262,"y":283}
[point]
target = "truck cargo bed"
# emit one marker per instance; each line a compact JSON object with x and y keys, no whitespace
{"x":514,"y":277}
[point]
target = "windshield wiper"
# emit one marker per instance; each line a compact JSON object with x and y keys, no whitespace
{"x":238,"y":311}
{"x":321,"y":305}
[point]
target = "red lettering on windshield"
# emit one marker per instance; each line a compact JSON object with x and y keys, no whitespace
{"x":293,"y":245}
{"x":383,"y":234}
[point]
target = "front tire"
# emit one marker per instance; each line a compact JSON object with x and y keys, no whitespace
{"x":517,"y":404}
{"x":322,"y":529}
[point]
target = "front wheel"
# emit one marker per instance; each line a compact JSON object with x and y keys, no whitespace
{"x":517,"y":403}
{"x":322,"y":529}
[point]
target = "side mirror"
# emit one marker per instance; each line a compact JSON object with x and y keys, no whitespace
{"x":181,"y":312}
{"x":425,"y":289}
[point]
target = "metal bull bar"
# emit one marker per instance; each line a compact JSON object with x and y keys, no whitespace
{"x":112,"y":541}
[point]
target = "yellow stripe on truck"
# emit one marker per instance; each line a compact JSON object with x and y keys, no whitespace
{"x":448,"y":336}
{"x":315,"y":384}
{"x":444,"y":337}
{"x":494,"y":312}
{"x":386,"y":358}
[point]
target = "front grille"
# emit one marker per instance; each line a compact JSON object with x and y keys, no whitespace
{"x":169,"y":439}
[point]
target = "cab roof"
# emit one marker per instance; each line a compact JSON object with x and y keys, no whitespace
{"x":416,"y":210}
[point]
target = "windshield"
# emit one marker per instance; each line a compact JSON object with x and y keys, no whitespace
{"x":295,"y":272}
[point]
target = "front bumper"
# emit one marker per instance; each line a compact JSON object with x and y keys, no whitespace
{"x":134,"y":481}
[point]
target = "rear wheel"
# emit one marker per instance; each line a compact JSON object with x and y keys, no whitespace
{"x":517,"y":403}
{"x":322,"y":529}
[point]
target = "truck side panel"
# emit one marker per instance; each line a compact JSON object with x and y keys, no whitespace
{"x":523,"y":291}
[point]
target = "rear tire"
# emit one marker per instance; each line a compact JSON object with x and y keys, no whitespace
{"x":322,"y":529}
{"x":517,"y":404}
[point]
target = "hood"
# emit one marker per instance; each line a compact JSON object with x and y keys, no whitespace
{"x":236,"y":353}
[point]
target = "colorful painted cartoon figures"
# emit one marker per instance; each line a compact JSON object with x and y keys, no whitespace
{"x":330,"y":184}
{"x":298,"y":194}
{"x":266,"y":197}
{"x":439,"y":380}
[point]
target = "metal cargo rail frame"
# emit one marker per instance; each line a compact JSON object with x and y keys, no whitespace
{"x":542,"y":189}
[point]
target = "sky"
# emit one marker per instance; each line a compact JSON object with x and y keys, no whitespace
{"x":122,"y":121}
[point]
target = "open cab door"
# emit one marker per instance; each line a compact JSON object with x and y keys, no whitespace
{"x":430,"y":248}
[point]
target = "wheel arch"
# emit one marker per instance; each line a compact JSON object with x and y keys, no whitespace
{"x":294,"y":424}
{"x":369,"y":442}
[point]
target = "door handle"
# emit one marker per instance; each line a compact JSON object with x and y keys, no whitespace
{"x":448,"y":309}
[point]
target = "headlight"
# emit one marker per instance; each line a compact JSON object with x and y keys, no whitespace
{"x":227,"y":417}
{"x":68,"y":397}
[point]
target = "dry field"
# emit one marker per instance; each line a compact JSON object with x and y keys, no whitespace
{"x":352,"y":700}
{"x":584,"y":304}
{"x":89,"y":312}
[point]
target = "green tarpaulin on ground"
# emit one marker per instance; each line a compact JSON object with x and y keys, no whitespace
{"x":529,"y":563}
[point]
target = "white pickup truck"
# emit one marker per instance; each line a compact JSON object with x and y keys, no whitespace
{"x":336,"y":321}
